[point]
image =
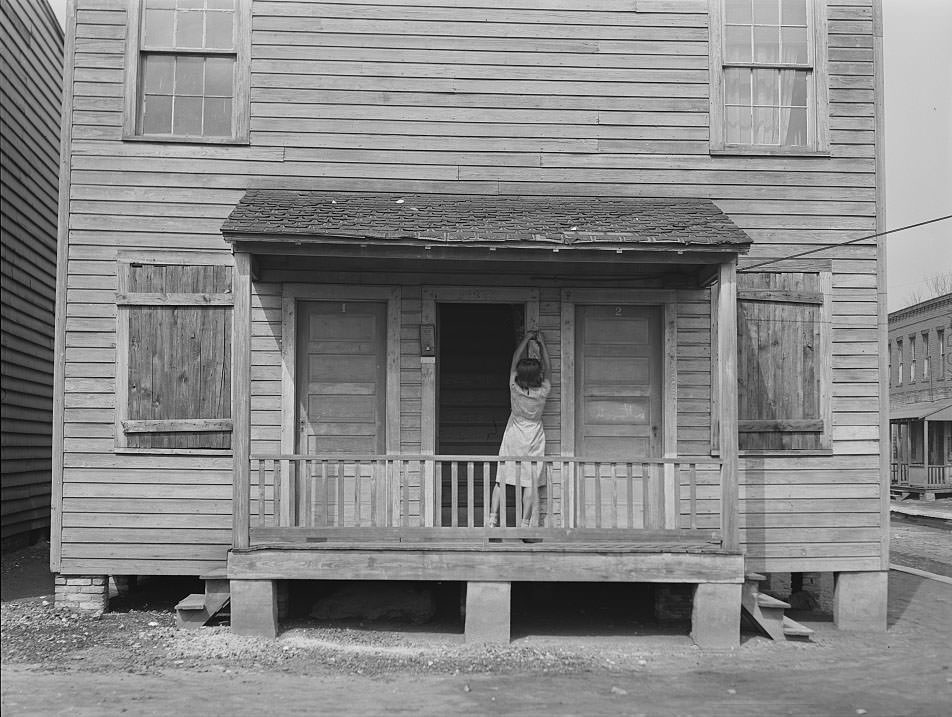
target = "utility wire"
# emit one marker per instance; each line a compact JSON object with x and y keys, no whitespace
{"x":851,"y":241}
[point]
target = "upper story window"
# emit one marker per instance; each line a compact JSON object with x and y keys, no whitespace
{"x":188,"y":76}
{"x":943,"y":369}
{"x":925,"y":355}
{"x":912,"y":359}
{"x":768,"y":84}
{"x":899,"y":353}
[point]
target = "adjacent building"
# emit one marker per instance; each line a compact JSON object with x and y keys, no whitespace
{"x":31,"y":52}
{"x":920,"y":396}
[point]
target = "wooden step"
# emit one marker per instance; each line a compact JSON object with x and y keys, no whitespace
{"x":792,"y":628}
{"x":193,"y":602}
{"x":766,"y":601}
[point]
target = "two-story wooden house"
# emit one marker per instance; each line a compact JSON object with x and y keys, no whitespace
{"x":301,"y":240}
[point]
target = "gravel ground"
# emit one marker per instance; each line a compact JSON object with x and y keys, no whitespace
{"x":135,"y":660}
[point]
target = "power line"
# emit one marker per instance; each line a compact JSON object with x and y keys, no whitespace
{"x":851,"y":241}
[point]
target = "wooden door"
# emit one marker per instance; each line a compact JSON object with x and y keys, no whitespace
{"x":341,"y":360}
{"x":619,"y":382}
{"x":618,"y":354}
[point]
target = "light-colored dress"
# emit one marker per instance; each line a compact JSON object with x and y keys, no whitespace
{"x":524,"y":435}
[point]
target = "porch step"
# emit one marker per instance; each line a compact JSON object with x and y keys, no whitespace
{"x":197,"y":609}
{"x":767,"y":612}
{"x":792,"y":628}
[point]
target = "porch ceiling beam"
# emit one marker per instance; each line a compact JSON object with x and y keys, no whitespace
{"x":634,"y":254}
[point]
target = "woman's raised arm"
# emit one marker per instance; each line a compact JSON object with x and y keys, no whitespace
{"x":518,"y":352}
{"x":543,"y":353}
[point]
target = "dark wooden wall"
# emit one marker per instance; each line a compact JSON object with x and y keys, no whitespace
{"x":31,"y":48}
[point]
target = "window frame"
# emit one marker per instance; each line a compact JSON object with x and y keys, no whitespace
{"x":912,"y":358}
{"x":241,"y":99}
{"x":926,"y":363}
{"x":940,"y":344}
{"x":159,"y":258}
{"x":901,"y":355}
{"x":818,"y":102}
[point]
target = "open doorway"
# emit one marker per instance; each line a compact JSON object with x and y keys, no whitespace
{"x":476,"y":342}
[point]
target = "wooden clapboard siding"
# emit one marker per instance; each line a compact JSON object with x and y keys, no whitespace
{"x":547,"y":98}
{"x":31,"y":46}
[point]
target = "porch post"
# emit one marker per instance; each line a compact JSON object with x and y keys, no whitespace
{"x":241,"y":401}
{"x":727,"y":403}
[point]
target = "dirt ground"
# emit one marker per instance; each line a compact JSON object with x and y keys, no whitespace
{"x":135,"y":661}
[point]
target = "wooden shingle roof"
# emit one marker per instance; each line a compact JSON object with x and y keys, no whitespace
{"x":483,"y":219}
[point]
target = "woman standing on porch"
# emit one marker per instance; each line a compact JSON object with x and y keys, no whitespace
{"x":529,"y":387}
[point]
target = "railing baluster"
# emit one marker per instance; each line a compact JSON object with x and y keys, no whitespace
{"x":470,"y":495}
{"x":276,"y":508}
{"x":630,"y":494}
{"x":390,"y":493}
{"x":261,"y":496}
{"x":291,"y":503}
{"x":550,"y":494}
{"x":306,"y":517}
{"x":536,"y":472}
{"x":325,"y":496}
{"x":598,"y":495}
{"x":405,"y":494}
{"x":692,"y":477}
{"x":340,"y":494}
{"x":487,"y":501}
{"x":614,"y":467}
{"x":503,"y":509}
{"x":517,"y":518}
{"x":454,"y":494}
{"x":358,"y":468}
{"x":645,"y":496}
{"x":374,"y":472}
{"x":580,"y":480}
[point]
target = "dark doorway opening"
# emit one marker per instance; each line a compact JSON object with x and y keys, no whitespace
{"x":476,"y":342}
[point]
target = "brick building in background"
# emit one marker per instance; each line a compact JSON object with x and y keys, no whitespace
{"x":920,"y":396}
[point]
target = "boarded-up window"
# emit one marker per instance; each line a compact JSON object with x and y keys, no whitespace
{"x":175,"y":356}
{"x":784,"y":361}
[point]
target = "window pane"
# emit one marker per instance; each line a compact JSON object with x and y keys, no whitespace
{"x":219,"y":76}
{"x":766,"y":44}
{"x":218,"y":117}
{"x":794,"y":44}
{"x":188,"y":116}
{"x":738,"y":125}
{"x":766,"y":125}
{"x":737,"y":11}
{"x":188,"y":75}
{"x":766,"y":87}
{"x":218,"y":30}
{"x":161,"y":4}
{"x":221,"y":4}
{"x":793,"y":127}
{"x":737,"y":43}
{"x":157,"y":74}
{"x":767,"y":12}
{"x":188,"y":28}
{"x":793,"y":85}
{"x":794,"y":12}
{"x":191,"y":4}
{"x":156,"y":114}
{"x":737,"y":86}
{"x":157,"y":31}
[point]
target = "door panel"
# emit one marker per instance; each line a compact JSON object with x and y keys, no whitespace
{"x":342,"y":377}
{"x":619,"y":382}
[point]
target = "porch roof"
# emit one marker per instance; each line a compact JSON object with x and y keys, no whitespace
{"x":474,"y":220}
{"x":940,"y":410}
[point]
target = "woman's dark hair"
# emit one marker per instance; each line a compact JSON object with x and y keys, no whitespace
{"x":529,"y":373}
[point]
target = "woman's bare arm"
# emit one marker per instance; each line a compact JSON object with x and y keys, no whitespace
{"x":543,"y":354}
{"x":518,"y":352}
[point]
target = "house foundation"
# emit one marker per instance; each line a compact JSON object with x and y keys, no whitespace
{"x":859,"y":601}
{"x":82,"y":593}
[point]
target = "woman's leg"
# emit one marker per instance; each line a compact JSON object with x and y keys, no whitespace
{"x":528,"y":506}
{"x":493,"y":519}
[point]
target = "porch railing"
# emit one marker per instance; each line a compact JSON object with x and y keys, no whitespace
{"x":921,"y":476}
{"x":414,"y":491}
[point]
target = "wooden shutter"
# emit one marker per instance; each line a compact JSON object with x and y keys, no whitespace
{"x":784,"y":361}
{"x":175,"y":328}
